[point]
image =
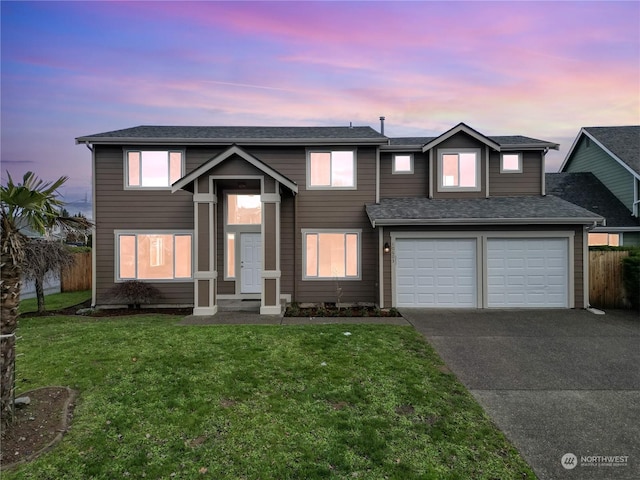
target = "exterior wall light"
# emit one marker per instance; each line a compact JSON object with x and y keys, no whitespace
{"x":386,"y":248}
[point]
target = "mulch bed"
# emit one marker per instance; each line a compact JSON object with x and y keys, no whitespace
{"x":37,"y":427}
{"x":332,"y":310}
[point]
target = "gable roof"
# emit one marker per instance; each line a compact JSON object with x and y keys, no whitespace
{"x":505,"y":142}
{"x":149,"y":134}
{"x":585,"y":190}
{"x":461,"y":127}
{"x":186,"y":182}
{"x":529,"y":210}
{"x":621,"y":143}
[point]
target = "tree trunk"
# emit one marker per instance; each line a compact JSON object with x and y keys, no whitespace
{"x":40,"y":294}
{"x":10,"y":299}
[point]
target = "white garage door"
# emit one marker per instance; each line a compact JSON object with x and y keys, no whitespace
{"x":527,"y":272}
{"x":436,"y":273}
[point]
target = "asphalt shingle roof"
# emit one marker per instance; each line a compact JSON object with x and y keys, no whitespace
{"x":624,"y":142}
{"x":532,"y":209}
{"x":249,"y":133}
{"x":585,"y":190}
{"x":502,"y":140}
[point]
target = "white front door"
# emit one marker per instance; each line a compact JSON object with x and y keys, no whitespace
{"x":250,"y":263}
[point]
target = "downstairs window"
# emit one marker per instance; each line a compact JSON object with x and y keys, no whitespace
{"x":331,"y":255}
{"x":153,"y":256}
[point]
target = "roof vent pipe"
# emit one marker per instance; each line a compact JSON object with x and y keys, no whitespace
{"x":381,"y":125}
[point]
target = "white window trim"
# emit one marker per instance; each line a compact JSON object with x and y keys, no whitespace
{"x":443,"y":188}
{"x":236,"y":229}
{"x":125,"y":178}
{"x":331,"y":150}
{"x":306,"y":231}
{"x":116,"y":255}
{"x":518,"y":170}
{"x":402,"y":172}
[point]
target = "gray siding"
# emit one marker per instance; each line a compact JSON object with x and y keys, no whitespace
{"x":529,"y":182}
{"x":414,"y":184}
{"x":120,"y":209}
{"x":613,"y":175}
{"x":631,"y":239}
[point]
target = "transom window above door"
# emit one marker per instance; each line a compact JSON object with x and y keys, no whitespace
{"x":331,"y":169}
{"x":244,"y":209}
{"x":153,"y":168}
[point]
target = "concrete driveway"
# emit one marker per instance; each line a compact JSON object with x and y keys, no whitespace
{"x":556,"y":382}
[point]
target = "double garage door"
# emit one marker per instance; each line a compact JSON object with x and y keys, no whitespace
{"x":476,"y":272}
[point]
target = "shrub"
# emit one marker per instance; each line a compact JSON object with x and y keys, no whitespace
{"x":631,"y":279}
{"x":134,"y":293}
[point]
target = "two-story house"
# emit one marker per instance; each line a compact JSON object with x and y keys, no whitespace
{"x":297,"y":213}
{"x":612,"y":156}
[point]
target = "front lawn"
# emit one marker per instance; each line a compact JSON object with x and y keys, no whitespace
{"x":55,"y":301}
{"x":158,"y":400}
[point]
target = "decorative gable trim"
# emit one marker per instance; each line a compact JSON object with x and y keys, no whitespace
{"x":221,"y":157}
{"x":461,"y":127}
{"x":569,"y":156}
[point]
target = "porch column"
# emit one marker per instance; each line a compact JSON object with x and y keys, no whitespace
{"x":270,"y":197}
{"x":205,"y":275}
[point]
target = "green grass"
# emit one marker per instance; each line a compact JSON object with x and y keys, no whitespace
{"x":55,"y":301}
{"x":255,"y":402}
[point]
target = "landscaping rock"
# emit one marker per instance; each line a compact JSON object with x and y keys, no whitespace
{"x":22,"y":402}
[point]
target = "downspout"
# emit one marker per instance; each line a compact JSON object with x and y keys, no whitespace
{"x":94,"y":236}
{"x":543,"y":188}
{"x":295,"y":248}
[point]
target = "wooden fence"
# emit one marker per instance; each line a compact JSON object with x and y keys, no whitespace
{"x":605,"y":279}
{"x":78,"y":277}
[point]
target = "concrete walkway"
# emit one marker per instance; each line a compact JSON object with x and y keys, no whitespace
{"x":556,"y":382}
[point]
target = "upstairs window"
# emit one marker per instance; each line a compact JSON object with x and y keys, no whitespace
{"x":459,"y":170}
{"x":153,"y":168}
{"x":331,"y":169}
{"x":402,"y":163}
{"x":511,"y":163}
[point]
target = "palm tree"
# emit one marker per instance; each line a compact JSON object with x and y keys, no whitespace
{"x":34,"y":204}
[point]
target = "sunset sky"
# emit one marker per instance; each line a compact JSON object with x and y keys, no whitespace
{"x":540,"y":69}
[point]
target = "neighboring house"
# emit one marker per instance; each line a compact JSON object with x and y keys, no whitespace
{"x":585,"y":190}
{"x":299,"y":213}
{"x":612,"y":154}
{"x":52,"y":283}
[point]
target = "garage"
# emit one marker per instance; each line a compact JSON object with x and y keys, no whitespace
{"x":438,"y":273}
{"x":527,"y":272}
{"x":520,"y":272}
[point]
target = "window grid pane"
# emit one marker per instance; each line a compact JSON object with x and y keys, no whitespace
{"x":183,"y":256}
{"x":467,"y":170}
{"x":511,"y":162}
{"x":312,"y":255}
{"x":402,"y":163}
{"x":231,"y":255}
{"x":133,"y":168}
{"x":244,"y":209}
{"x":342,"y":169}
{"x":175,"y":167}
{"x":320,"y":168}
{"x":127,"y":249}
